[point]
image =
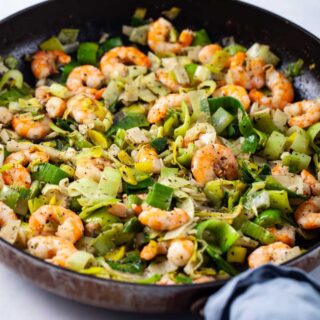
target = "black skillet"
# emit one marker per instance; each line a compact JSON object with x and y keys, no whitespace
{"x":21,"y":33}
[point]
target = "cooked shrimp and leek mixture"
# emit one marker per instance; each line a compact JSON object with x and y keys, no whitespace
{"x":159,"y":157}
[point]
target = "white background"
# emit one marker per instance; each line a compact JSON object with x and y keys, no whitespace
{"x":19,"y":299}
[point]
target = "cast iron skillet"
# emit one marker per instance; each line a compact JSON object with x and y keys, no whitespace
{"x":22,"y":32}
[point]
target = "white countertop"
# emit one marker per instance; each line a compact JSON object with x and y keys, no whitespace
{"x":20,"y":299}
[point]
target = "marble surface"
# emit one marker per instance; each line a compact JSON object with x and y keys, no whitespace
{"x":20,"y":299}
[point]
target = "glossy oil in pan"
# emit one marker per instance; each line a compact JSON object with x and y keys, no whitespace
{"x":21,"y":33}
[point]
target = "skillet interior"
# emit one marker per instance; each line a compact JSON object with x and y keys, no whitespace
{"x":20,"y":35}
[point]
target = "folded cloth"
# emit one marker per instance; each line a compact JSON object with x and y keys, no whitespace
{"x":268,"y":292}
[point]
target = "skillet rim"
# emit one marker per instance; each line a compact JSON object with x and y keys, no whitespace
{"x":103,"y":281}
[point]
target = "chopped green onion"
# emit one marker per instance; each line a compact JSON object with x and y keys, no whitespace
{"x":185,"y":117}
{"x":159,"y":144}
{"x":131,"y":264}
{"x":314,"y":133}
{"x":68,"y":36}
{"x":106,"y":240}
{"x":269,"y":218}
{"x":128,"y":122}
{"x":110,"y":181}
{"x":191,"y":69}
{"x":12,"y":78}
{"x":298,"y":140}
{"x":220,"y":262}
{"x":170,"y":124}
{"x":140,"y":187}
{"x":11,"y":196}
{"x":279,"y":200}
{"x":119,"y":138}
{"x":111,"y":43}
{"x":219,"y":61}
{"x":87,"y":53}
{"x":274,"y":146}
{"x":200,"y":105}
{"x":103,"y":218}
{"x":172,"y":13}
{"x":273,"y":184}
{"x":132,"y":225}
{"x":52,"y":44}
{"x":185,"y":155}
{"x":262,"y":121}
{"x":201,"y":74}
{"x":138,"y":17}
{"x":160,"y":196}
{"x":11,"y":62}
{"x":221,"y":120}
{"x":153,"y":279}
{"x":256,"y":232}
{"x":182,"y":278}
{"x":232,"y":49}
{"x":98,"y":139}
{"x":49,"y":173}
{"x":232,"y":105}
{"x":294,"y":69}
{"x":79,"y":260}
{"x":296,"y":161}
{"x":201,"y":38}
{"x":217,"y":191}
{"x":218,"y":232}
{"x":262,"y":51}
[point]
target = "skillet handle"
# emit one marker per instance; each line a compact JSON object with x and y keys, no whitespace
{"x":197,"y":307}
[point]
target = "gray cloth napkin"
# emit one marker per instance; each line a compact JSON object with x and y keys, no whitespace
{"x":266,"y":293}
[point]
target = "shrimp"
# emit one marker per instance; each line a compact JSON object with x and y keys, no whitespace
{"x":162,"y":220}
{"x":114,"y":63}
{"x":178,"y":251}
{"x":24,"y":157}
{"x":201,"y":134}
{"x":148,"y":154}
{"x":31,"y":129}
{"x":43,"y":94}
{"x":274,"y":252}
{"x":5,"y":116}
{"x":312,"y":183}
{"x":307,"y":214}
{"x":304,"y":113}
{"x":55,"y":107}
{"x":53,"y":249}
{"x":204,"y":279}
{"x":44,"y":63}
{"x":6,"y":215}
{"x":214,"y":160}
{"x":168,"y":80}
{"x":45,"y":220}
{"x":234,"y":91}
{"x":159,"y":33}
{"x":161,"y":106}
{"x":286,"y":234}
{"x":153,"y":248}
{"x":280,"y":170}
{"x":207,"y":52}
{"x":282,"y":92}
{"x":249,"y":76}
{"x":84,"y":109}
{"x":18,"y":175}
{"x":86,"y":79}
{"x":91,"y":168}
